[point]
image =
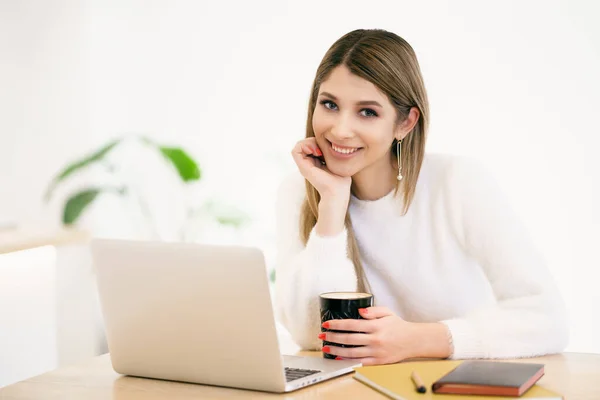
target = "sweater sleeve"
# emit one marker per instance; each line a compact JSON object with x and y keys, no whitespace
{"x":304,"y":272}
{"x":528,"y":318}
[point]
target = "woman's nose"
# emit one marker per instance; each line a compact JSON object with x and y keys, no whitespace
{"x":342,"y":128}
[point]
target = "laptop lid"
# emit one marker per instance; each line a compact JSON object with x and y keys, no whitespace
{"x":189,"y":312}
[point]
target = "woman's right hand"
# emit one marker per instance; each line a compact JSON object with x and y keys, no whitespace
{"x":334,"y":189}
{"x":305,"y":155}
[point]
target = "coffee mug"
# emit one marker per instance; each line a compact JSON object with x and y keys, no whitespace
{"x":342,"y":305}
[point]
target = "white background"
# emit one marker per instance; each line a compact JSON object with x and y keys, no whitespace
{"x":513,"y":83}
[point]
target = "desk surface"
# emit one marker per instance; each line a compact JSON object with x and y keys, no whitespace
{"x":574,"y":375}
{"x":16,"y":239}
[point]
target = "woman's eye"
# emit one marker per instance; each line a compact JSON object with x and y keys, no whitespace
{"x":330,"y":105}
{"x":367,"y":112}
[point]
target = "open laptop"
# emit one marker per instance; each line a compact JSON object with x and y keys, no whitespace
{"x":197,"y":313}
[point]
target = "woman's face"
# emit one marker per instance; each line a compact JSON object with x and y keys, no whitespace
{"x":354,"y":124}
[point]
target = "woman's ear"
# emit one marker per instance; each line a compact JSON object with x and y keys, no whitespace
{"x":404,"y":128}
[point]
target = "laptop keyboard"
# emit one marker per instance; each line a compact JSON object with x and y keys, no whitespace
{"x":291,"y":374}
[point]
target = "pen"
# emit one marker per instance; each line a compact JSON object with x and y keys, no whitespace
{"x":419,"y":387}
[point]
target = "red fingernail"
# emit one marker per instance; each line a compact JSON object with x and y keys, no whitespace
{"x":363,"y":310}
{"x":339,"y":358}
{"x":321,"y":336}
{"x":319,"y":153}
{"x":326,"y":349}
{"x":326,"y":325}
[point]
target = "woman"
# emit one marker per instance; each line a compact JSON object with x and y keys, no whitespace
{"x":452,"y":272}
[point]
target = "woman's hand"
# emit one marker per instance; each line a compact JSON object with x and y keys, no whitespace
{"x":387,"y":338}
{"x":334,"y":189}
{"x":308,"y":156}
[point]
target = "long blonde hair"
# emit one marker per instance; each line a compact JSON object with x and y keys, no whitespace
{"x":389,"y":62}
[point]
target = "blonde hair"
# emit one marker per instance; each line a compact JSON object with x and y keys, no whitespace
{"x":389,"y":62}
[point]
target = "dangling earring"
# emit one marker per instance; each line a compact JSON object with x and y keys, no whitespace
{"x":398,"y":150}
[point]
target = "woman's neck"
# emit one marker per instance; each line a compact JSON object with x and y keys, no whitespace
{"x":375,"y":181}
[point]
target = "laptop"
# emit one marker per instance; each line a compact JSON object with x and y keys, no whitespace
{"x":197,"y":313}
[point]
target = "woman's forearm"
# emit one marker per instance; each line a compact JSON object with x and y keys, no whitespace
{"x":332,"y":214}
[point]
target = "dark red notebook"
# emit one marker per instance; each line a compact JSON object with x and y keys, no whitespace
{"x":489,"y":378}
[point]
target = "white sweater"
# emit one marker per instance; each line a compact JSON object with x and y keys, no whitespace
{"x":459,"y":256}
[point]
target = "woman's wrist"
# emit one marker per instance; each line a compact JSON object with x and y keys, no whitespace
{"x":433,"y":340}
{"x":332,"y":215}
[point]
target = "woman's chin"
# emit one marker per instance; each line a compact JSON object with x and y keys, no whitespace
{"x":341,"y":171}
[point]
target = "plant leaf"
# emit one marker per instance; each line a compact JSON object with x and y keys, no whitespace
{"x":235,"y":221}
{"x":78,"y":202}
{"x":186,"y":166}
{"x":146,"y":140}
{"x":78,"y":165}
{"x":225,"y":214}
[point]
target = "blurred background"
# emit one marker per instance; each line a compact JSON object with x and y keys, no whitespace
{"x":203,"y":102}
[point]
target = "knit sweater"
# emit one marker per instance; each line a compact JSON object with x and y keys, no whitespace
{"x":459,"y":256}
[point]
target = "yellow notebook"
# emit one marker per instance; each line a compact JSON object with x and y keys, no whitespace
{"x":394,"y":381}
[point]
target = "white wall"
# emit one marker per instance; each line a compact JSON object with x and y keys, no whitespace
{"x":44,"y":100}
{"x":513,"y":83}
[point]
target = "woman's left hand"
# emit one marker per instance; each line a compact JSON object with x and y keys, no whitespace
{"x":387,"y":338}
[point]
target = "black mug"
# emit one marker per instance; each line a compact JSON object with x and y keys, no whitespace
{"x":342,"y":305}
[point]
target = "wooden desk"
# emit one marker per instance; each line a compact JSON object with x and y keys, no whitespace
{"x":575,"y":375}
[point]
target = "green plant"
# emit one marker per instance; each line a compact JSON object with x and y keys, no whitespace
{"x":186,"y":167}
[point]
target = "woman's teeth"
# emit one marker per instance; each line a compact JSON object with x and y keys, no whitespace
{"x":343,"y":150}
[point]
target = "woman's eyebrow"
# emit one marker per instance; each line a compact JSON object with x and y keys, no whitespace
{"x":360,"y":103}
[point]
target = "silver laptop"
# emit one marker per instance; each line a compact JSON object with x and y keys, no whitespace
{"x":197,"y":313}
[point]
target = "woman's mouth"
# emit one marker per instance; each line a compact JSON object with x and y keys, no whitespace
{"x":343,"y":151}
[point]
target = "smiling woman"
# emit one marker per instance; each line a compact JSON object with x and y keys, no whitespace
{"x":451,"y":268}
